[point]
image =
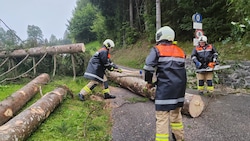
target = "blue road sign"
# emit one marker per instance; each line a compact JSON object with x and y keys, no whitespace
{"x":197,"y":18}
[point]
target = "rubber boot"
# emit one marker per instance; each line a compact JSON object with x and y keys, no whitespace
{"x":209,"y":93}
{"x":108,"y":96}
{"x":174,"y":138}
{"x":81,"y":97}
{"x":201,"y":93}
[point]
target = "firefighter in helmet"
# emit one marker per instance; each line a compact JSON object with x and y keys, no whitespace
{"x":168,"y":61}
{"x":96,"y":68}
{"x":204,"y":56}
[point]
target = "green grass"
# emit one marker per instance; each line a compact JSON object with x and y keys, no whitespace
{"x":6,"y":90}
{"x":92,"y":47}
{"x":131,"y":56}
{"x":134,"y":56}
{"x":72,"y":120}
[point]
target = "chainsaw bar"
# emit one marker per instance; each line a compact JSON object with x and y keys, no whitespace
{"x":217,"y":67}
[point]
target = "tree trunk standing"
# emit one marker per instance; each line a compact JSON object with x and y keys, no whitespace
{"x":71,"y":48}
{"x":193,"y":104}
{"x":34,"y":63}
{"x":73,"y":65}
{"x":11,"y":105}
{"x":54,"y":69}
{"x":21,"y":126}
{"x":131,"y":13}
{"x":158,"y":14}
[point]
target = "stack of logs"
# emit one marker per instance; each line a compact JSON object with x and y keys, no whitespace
{"x":15,"y":126}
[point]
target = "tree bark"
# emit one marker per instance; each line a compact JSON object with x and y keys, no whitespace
{"x":71,"y":48}
{"x":134,"y":84}
{"x":193,"y":104}
{"x":21,"y":126}
{"x":11,"y":105}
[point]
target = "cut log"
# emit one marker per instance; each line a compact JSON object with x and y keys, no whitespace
{"x":135,"y":84}
{"x":71,"y":48}
{"x":12,"y":104}
{"x":193,"y":104}
{"x":21,"y":126}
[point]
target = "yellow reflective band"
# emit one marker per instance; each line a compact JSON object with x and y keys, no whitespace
{"x":105,"y":91}
{"x":162,"y":137}
{"x":210,"y":88}
{"x":200,"y":87}
{"x":87,"y":89}
{"x":176,"y":126}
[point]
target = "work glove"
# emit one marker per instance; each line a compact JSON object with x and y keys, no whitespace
{"x":211,"y":64}
{"x":214,"y":59}
{"x":198,"y":64}
{"x":149,"y":85}
{"x":111,"y":68}
{"x":114,"y":65}
{"x":119,"y":70}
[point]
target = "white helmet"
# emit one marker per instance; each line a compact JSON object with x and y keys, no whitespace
{"x":109,"y":43}
{"x":202,"y":39}
{"x":165,"y":33}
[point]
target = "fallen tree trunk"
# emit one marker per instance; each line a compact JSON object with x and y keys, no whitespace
{"x":193,"y":104}
{"x":134,"y":84}
{"x":12,"y":104}
{"x":21,"y":126}
{"x":71,"y":48}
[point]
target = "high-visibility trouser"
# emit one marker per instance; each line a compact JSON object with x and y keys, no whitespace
{"x":205,"y":77}
{"x":92,"y":84}
{"x":162,"y":125}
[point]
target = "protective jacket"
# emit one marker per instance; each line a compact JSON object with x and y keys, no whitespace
{"x":169,"y":62}
{"x":97,"y":65}
{"x":204,"y":55}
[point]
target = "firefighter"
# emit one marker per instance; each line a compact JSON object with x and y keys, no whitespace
{"x":95,"y":71}
{"x":204,"y":56}
{"x":168,"y":61}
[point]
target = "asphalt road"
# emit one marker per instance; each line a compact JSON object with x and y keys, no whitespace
{"x":226,"y":118}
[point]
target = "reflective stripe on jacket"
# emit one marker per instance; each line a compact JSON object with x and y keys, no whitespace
{"x":97,"y":65}
{"x":169,"y":60}
{"x":204,"y":54}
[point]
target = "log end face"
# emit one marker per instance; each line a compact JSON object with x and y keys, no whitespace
{"x":196,"y":106}
{"x":83,"y":47}
{"x":45,"y":76}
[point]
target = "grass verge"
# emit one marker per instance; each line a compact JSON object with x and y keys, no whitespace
{"x":72,"y":120}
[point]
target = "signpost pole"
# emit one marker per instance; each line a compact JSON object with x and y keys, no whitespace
{"x":197,"y":25}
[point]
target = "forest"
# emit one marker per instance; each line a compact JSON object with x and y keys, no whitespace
{"x":127,"y":21}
